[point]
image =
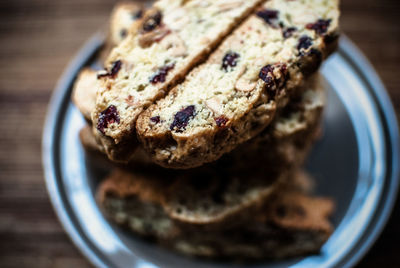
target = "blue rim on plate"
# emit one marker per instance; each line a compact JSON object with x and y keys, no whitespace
{"x":376,"y":134}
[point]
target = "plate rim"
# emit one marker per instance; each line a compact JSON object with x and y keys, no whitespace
{"x":60,"y":98}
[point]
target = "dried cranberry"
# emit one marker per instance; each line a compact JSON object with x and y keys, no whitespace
{"x":230,"y":60}
{"x":273,"y":81}
{"x":108,"y":116}
{"x":320,"y":27}
{"x":304,"y":43}
{"x":221,"y":121}
{"x":115,"y":69}
{"x":123,"y":33}
{"x":116,"y":66}
{"x":137,"y":15}
{"x":152,"y":22}
{"x":182,"y":118}
{"x":288,"y":32}
{"x":162,"y":73}
{"x":270,"y":16}
{"x":267,"y":74}
{"x":155,"y":119}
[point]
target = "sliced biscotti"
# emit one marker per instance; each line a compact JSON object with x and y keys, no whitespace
{"x":84,"y":92}
{"x":234,"y":95}
{"x":291,"y":223}
{"x":122,"y":17}
{"x":205,"y":197}
{"x":159,"y":50}
{"x":288,"y":138}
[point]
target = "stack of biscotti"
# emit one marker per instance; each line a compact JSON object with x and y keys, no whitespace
{"x":206,"y":111}
{"x":207,"y":214}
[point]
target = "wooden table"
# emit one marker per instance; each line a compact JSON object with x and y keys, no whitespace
{"x":38,"y":38}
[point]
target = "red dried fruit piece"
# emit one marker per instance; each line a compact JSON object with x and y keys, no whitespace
{"x":267,"y":74}
{"x":221,"y":121}
{"x":274,"y":76}
{"x":115,"y":69}
{"x":304,"y":43}
{"x":106,"y":117}
{"x":116,"y":66}
{"x":288,"y":32}
{"x":155,"y":119}
{"x":270,"y":16}
{"x":320,"y":27}
{"x":152,"y":22}
{"x":230,"y":60}
{"x":162,"y":73}
{"x":182,"y":118}
{"x":137,"y":15}
{"x":123,"y":33}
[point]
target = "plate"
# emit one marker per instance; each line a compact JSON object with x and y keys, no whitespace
{"x":356,"y":162}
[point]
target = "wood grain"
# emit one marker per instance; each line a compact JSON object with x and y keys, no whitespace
{"x":38,"y":38}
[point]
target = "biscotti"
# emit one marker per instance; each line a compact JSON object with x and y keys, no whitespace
{"x":84,"y":92}
{"x":86,"y":85}
{"x":140,"y":202}
{"x":122,"y":17}
{"x":294,"y":225}
{"x":288,"y":138}
{"x":208,"y":197}
{"x":234,"y":95}
{"x":159,"y":50}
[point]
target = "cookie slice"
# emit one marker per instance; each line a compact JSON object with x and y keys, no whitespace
{"x":158,"y":52}
{"x":294,"y":225}
{"x":208,"y":197}
{"x":288,"y":138}
{"x":84,"y":92}
{"x":291,"y":223}
{"x":122,"y":17}
{"x":234,"y":95}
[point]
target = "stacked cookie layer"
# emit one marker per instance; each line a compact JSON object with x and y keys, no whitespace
{"x":212,"y":106}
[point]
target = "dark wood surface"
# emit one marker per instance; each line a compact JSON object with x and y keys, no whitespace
{"x":38,"y":38}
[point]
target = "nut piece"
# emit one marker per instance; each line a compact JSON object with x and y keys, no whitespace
{"x":131,"y":101}
{"x":176,"y":45}
{"x":215,"y":105}
{"x":228,"y":5}
{"x":156,"y":35}
{"x":244,"y":84}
